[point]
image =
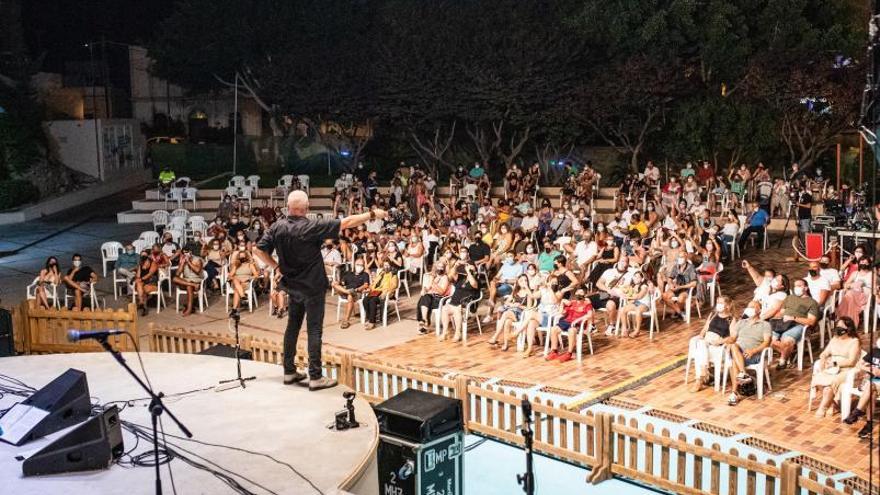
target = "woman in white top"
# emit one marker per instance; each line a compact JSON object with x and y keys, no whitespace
{"x":548,"y":306}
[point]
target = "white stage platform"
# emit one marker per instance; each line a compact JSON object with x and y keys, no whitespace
{"x":285,"y":421}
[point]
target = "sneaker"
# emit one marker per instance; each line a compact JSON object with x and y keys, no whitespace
{"x":732,"y":400}
{"x":609,"y":330}
{"x":321,"y":383}
{"x":854,"y":416}
{"x":487,"y":319}
{"x":866,"y":430}
{"x":291,"y":378}
{"x":551,"y":356}
{"x":564,"y":357}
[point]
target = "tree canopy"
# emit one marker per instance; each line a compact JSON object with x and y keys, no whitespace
{"x":501,"y":80}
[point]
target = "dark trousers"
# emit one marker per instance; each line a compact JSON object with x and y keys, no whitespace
{"x":300,"y":308}
{"x":747,"y":232}
{"x":429,"y":301}
{"x":373,"y":307}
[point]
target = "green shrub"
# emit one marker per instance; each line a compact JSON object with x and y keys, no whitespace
{"x":17,"y":192}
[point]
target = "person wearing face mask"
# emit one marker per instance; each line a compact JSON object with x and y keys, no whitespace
{"x":851,"y":264}
{"x":709,"y":346}
{"x":242,"y":271}
{"x":830,"y":370}
{"x":126,"y":265}
{"x":869,"y":368}
{"x":575,"y":311}
{"x":751,"y":335}
{"x":393,"y":256}
{"x":756,"y":224}
{"x":146,"y":281}
{"x":384,"y":285}
{"x":189,"y":277}
{"x":547,"y":257}
{"x":608,"y":287}
{"x":414,"y":254}
{"x":352,"y":286}
{"x":830,"y":274}
{"x":332,"y":258}
{"x":763,"y":280}
{"x":50,"y":276}
{"x":79,"y":279}
{"x":856,"y":292}
{"x":502,"y":283}
{"x":435,"y":286}
{"x":799,"y":311}
{"x":819,"y":288}
{"x":635,"y":300}
{"x":479,"y":252}
{"x":679,"y":281}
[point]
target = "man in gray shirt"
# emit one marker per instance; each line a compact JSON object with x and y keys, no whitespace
{"x":752,"y":337}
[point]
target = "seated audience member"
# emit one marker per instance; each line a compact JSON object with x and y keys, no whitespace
{"x":242,"y":270}
{"x":856,"y":292}
{"x":126,"y":265}
{"x":869,"y":367}
{"x":215,"y":256}
{"x":503,"y":282}
{"x":435,"y":286}
{"x":680,"y":280}
{"x":414,"y":255}
{"x":635,"y":300}
{"x":751,"y":335}
{"x":799,"y":311}
{"x":354,"y":284}
{"x":278,"y":296}
{"x":146,"y":281}
{"x":49,"y":275}
{"x":576,"y":310}
{"x":840,"y":356}
{"x":607,"y":288}
{"x":757,"y":224}
{"x":818,"y":285}
{"x":332,"y":258}
{"x":79,"y":279}
{"x":512,"y":311}
{"x":467,"y":289}
{"x":716,"y":333}
{"x":830,"y":274}
{"x":383,"y":286}
{"x":189,"y":277}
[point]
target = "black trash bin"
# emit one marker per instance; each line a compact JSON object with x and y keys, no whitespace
{"x":421,"y":444}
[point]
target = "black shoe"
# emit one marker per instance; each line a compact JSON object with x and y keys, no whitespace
{"x":866,"y":430}
{"x":854,"y":416}
{"x":295,"y":377}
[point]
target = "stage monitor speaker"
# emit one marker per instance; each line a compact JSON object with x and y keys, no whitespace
{"x":223,"y":350}
{"x":67,"y":401}
{"x":92,"y":445}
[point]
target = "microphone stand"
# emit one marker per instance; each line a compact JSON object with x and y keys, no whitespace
{"x":156,"y":408}
{"x":527,"y":479}
{"x":236,"y":317}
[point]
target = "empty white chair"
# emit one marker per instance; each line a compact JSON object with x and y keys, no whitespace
{"x":177,"y":236}
{"x":198,"y":225}
{"x":253,"y":181}
{"x":177,"y":223}
{"x":180,"y":212}
{"x":160,"y":219}
{"x":304,"y":181}
{"x":189,"y":194}
{"x":150,"y":237}
{"x":201,"y":296}
{"x":237,"y":181}
{"x":285,"y":181}
{"x":175,"y":195}
{"x":247,"y":192}
{"x":110,"y":251}
{"x":183,"y":182}
{"x":231,"y":191}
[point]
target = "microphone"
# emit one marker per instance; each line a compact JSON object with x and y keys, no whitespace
{"x":76,"y":335}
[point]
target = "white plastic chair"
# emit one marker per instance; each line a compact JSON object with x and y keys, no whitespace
{"x":253,"y":181}
{"x":92,"y":295}
{"x":250,"y":294}
{"x":177,"y":236}
{"x":180,"y":212}
{"x":200,"y":295}
{"x":435,"y":313}
{"x":51,"y":292}
{"x":247,"y":192}
{"x":342,"y":300}
{"x":150,"y":237}
{"x":402,"y":280}
{"x":175,"y":195}
{"x":848,"y":389}
{"x":716,"y":357}
{"x":231,"y":191}
{"x":388,"y":301}
{"x":650,"y":312}
{"x":804,"y":343}
{"x":190,"y":194}
{"x":139,"y":245}
{"x":176,"y":223}
{"x":110,"y":251}
{"x":160,"y":219}
{"x":470,"y":311}
{"x":237,"y":181}
{"x":197,"y":225}
{"x":164,"y":276}
{"x":285,"y":181}
{"x":183,"y":181}
{"x":761,"y":369}
{"x":713,"y":286}
{"x":116,"y":280}
{"x":304,"y":181}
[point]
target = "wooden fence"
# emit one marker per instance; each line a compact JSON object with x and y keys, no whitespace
{"x":606,"y":444}
{"x":44,"y":331}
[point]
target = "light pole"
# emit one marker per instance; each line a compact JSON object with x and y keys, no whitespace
{"x":235,"y":129}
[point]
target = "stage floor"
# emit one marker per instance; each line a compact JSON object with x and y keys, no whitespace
{"x":285,"y":422}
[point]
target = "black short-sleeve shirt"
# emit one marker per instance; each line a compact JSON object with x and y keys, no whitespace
{"x":353,"y":280}
{"x":298,"y":241}
{"x":478,"y":251}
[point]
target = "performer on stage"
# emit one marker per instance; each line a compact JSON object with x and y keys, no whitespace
{"x":298,"y":242}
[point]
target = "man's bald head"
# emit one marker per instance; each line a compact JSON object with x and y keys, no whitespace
{"x":297,"y":203}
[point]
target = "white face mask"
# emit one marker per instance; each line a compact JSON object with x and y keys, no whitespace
{"x":601,"y":228}
{"x":358,"y":268}
{"x":673,"y":244}
{"x":798,"y":291}
{"x":680,"y":261}
{"x":719,"y":308}
{"x":530,"y":249}
{"x":77,"y":263}
{"x":749,"y":312}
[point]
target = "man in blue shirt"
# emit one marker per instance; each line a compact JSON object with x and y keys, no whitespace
{"x":503,"y":282}
{"x":757,"y":223}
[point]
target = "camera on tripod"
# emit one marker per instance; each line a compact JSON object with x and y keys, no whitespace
{"x":345,"y":418}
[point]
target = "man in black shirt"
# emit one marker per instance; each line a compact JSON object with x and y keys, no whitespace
{"x":298,"y":241}
{"x":479,"y":251}
{"x":80,"y":279}
{"x":354,"y":284}
{"x":804,"y":210}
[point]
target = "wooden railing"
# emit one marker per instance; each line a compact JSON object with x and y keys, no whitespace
{"x":607,"y":445}
{"x":44,"y":331}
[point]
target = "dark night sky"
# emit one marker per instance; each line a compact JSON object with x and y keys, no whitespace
{"x":59,"y":28}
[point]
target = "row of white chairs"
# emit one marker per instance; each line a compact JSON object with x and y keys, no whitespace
{"x":55,"y":299}
{"x":181,"y":195}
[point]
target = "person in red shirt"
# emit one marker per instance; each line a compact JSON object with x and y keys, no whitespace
{"x":574,"y":311}
{"x":706,"y":175}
